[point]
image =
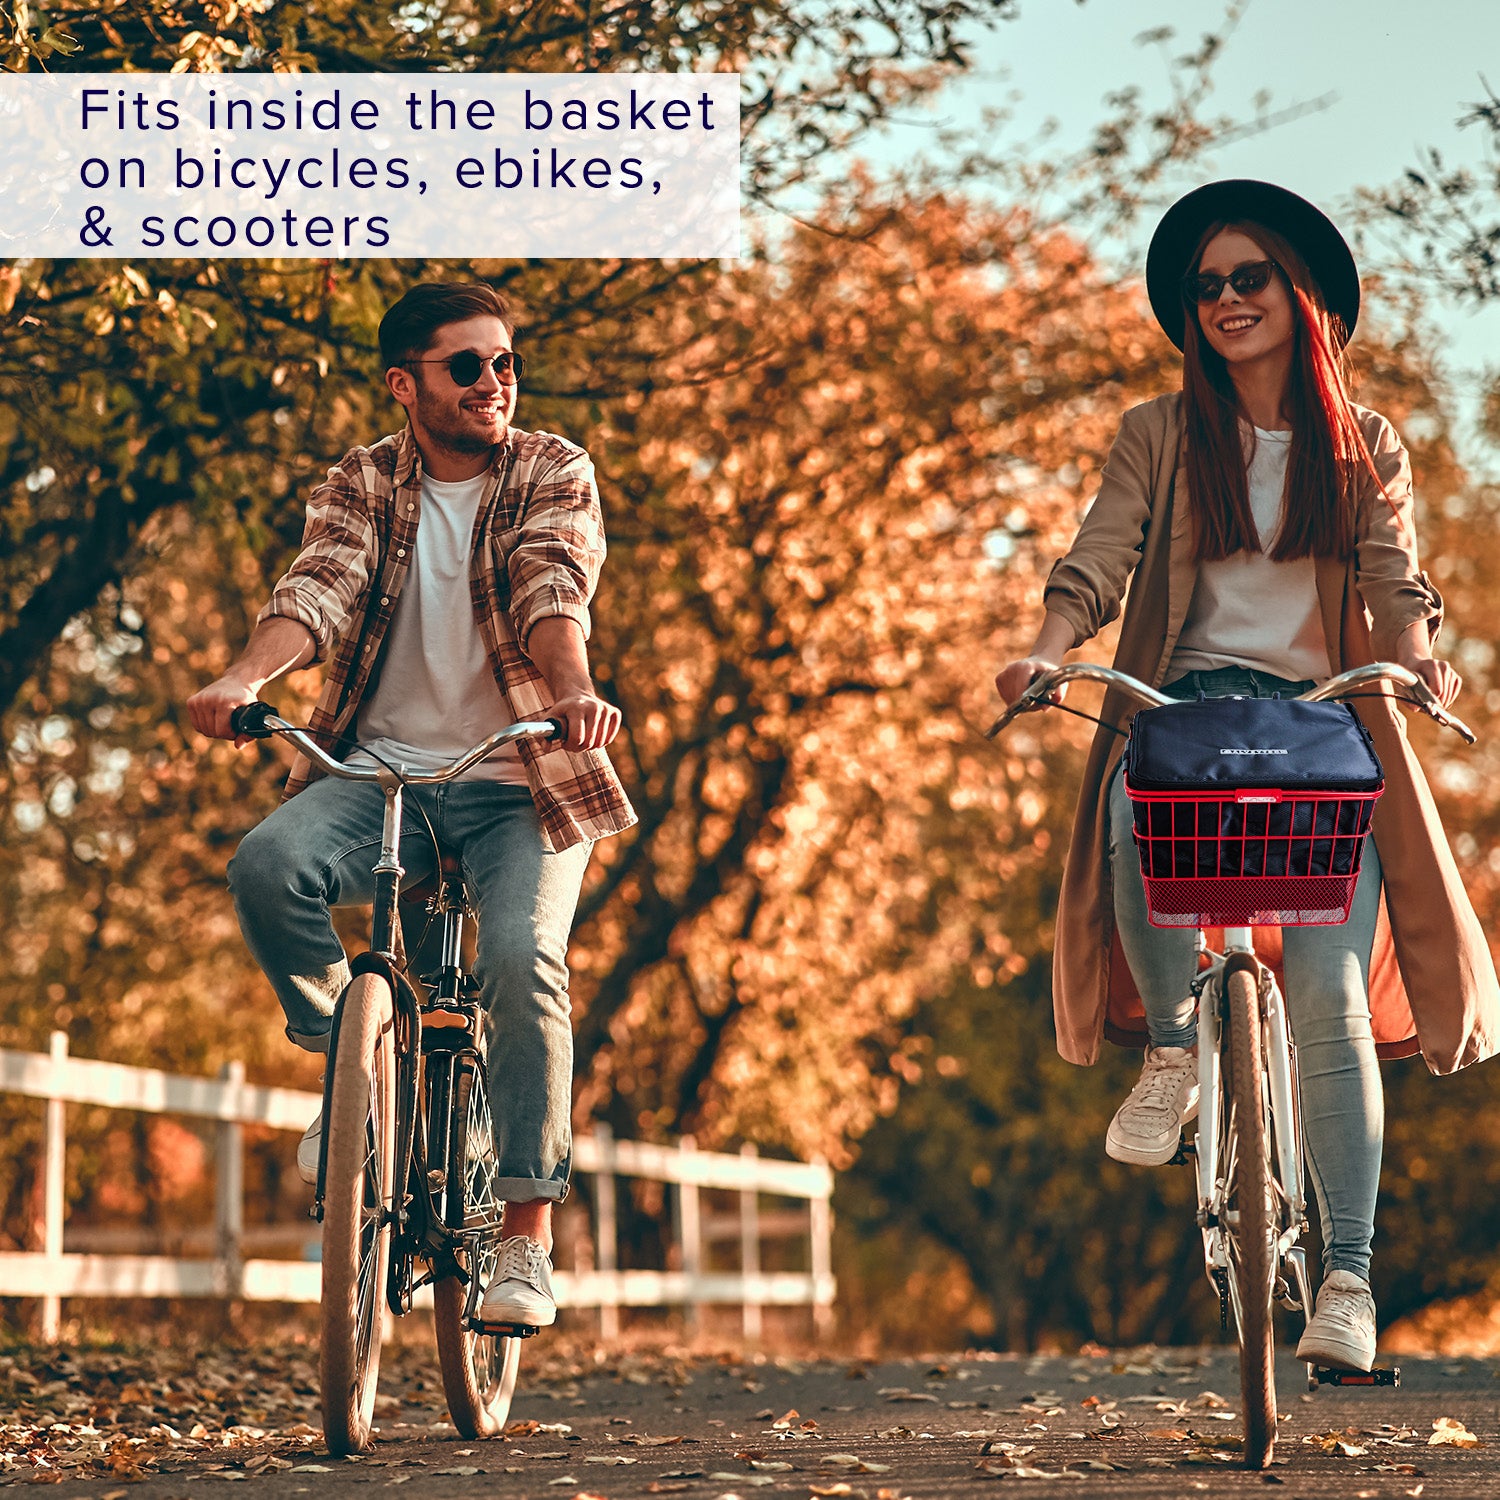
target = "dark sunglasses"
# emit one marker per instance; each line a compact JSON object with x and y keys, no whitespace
{"x":466,"y":367}
{"x":1252,"y":277}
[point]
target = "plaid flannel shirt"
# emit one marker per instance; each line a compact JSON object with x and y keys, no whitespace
{"x":539,"y":544}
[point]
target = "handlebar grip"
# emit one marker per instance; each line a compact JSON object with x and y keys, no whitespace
{"x":559,"y":729}
{"x":250,"y":719}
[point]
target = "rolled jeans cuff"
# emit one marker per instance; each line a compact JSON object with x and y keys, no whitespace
{"x":308,"y":1042}
{"x":530,"y":1190}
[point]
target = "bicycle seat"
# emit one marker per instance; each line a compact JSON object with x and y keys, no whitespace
{"x":425,"y":888}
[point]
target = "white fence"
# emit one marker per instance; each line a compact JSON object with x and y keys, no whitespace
{"x":54,"y":1272}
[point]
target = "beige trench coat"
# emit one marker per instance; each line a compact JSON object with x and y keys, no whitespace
{"x":1432,"y":977}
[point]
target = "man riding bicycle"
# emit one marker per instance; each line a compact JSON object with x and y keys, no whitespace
{"x":446,"y":571}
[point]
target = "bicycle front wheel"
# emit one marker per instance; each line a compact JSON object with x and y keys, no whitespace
{"x":358,"y":1192}
{"x":1251,"y":1227}
{"x":479,"y":1370}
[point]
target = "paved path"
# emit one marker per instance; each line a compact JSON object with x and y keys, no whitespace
{"x":1157,"y":1423}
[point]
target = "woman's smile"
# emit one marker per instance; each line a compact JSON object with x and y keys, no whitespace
{"x":1244,"y":328}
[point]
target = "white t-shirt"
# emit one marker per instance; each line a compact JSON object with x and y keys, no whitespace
{"x":1247,"y":610}
{"x":436,"y":696}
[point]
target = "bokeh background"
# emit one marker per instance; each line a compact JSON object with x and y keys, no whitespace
{"x":835,"y":473}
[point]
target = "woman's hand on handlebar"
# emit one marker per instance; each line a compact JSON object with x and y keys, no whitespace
{"x":1013,"y":679}
{"x":1444,"y":682}
{"x":1413,"y":652}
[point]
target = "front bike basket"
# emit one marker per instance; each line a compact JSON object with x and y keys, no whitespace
{"x":1250,"y":812}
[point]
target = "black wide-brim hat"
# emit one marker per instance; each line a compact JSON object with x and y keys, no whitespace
{"x":1243,"y":200}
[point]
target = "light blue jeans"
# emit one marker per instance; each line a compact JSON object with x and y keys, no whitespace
{"x":1327,"y":971}
{"x":318,"y":850}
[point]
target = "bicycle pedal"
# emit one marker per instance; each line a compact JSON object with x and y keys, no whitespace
{"x":1186,"y":1151}
{"x":504,"y":1330}
{"x":1320,"y":1375}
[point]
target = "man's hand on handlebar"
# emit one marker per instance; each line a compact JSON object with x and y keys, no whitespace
{"x":210,"y":708}
{"x":589,"y":723}
{"x":1013,"y":680}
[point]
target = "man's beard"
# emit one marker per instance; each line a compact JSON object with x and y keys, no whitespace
{"x":457,"y":437}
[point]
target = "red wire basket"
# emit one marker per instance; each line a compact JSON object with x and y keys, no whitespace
{"x":1242,"y":858}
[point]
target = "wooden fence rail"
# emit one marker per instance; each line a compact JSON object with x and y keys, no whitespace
{"x":56,"y":1272}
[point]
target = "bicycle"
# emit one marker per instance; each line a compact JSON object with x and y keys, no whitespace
{"x":406,"y":1166}
{"x":1252,"y":1206}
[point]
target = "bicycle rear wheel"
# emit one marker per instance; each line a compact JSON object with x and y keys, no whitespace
{"x":358,"y":1190}
{"x":1251,"y":1231}
{"x":479,"y":1370}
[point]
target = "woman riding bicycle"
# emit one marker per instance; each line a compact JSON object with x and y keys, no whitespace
{"x":1268,"y":522}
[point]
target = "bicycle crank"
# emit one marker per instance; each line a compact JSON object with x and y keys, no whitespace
{"x":1221,"y":1280}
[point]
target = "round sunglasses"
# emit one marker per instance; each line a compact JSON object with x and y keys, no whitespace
{"x":1254,"y":276}
{"x":465,"y":367}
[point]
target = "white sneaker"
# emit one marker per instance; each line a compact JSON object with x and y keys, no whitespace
{"x":520,"y":1291}
{"x":307,"y":1151}
{"x":1341,"y":1331}
{"x":1148,"y":1125}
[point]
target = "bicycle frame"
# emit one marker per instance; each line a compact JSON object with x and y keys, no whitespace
{"x":432,"y":1034}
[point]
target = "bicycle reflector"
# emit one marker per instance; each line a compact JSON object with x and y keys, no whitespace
{"x":1250,"y":812}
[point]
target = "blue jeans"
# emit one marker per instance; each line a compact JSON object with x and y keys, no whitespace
{"x":1327,"y":971}
{"x":318,"y":850}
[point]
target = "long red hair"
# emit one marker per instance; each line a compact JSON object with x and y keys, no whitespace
{"x":1329,"y":457}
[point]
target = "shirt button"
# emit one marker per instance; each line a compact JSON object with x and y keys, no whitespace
{"x":410,"y":509}
{"x":385,"y":601}
{"x":367,"y":648}
{"x":400,"y":551}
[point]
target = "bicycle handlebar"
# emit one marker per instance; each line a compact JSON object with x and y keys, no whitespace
{"x":259,"y":721}
{"x":1038,"y":693}
{"x":1424,"y":698}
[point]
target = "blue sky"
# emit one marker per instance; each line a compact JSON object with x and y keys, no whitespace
{"x":1399,"y":73}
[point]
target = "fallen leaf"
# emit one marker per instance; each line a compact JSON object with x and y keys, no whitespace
{"x":1448,"y":1431}
{"x":608,"y":1458}
{"x":786,"y":1419}
{"x":851,"y":1463}
{"x":460,"y":1469}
